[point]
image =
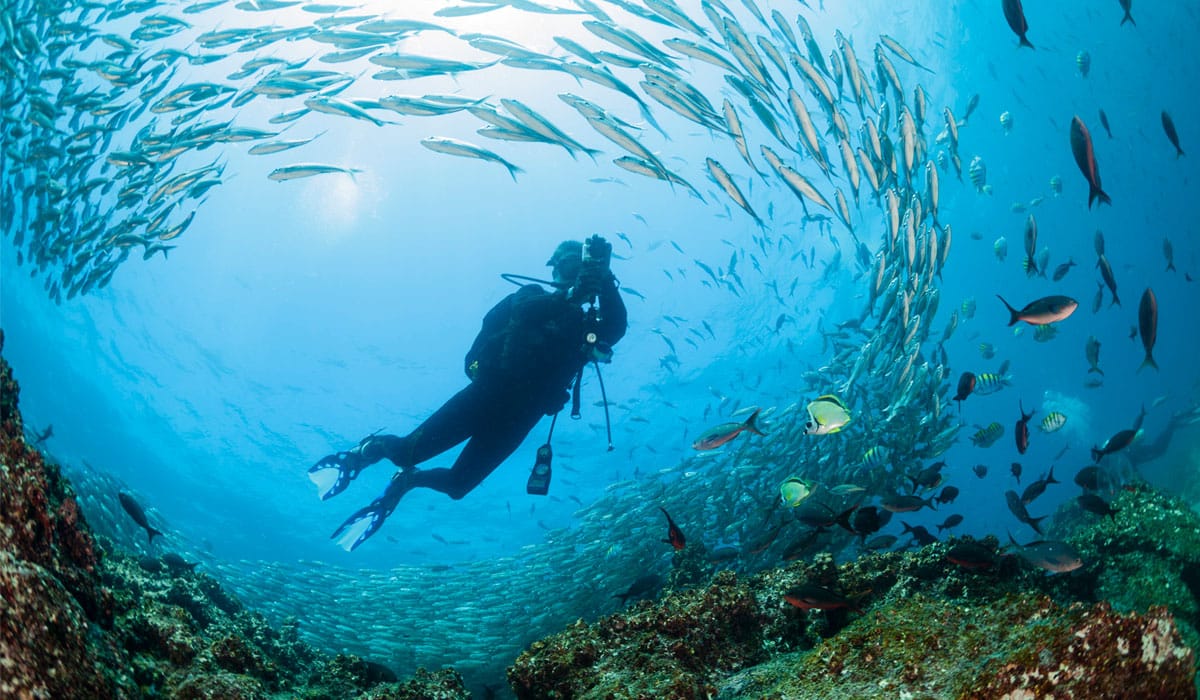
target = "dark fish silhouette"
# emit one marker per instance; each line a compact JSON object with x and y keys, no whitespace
{"x":1104,"y":123}
{"x":137,"y":513}
{"x":1085,"y":158}
{"x":1107,"y":273}
{"x":1094,"y":504}
{"x":966,"y":384}
{"x":1115,"y":443}
{"x":1148,"y":326}
{"x":1017,"y":508}
{"x":1172,"y":135}
{"x":1015,"y":14}
{"x":641,"y":587}
{"x":1022,"y":430}
{"x":971,"y":555}
{"x":1062,"y":270}
{"x":1127,"y":5}
{"x":177,"y":564}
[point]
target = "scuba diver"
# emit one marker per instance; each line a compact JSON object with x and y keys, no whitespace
{"x":531,"y":349}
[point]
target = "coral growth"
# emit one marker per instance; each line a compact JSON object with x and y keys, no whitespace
{"x":990,"y":627}
{"x":77,"y":622}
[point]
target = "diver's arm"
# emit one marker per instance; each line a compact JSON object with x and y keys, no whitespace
{"x":613,"y":317}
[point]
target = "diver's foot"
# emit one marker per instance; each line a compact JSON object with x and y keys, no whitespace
{"x":367,"y":520}
{"x":333,"y":473}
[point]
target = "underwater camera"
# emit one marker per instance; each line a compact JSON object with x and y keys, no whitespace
{"x":539,"y":478}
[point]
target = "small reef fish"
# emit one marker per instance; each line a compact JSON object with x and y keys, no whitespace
{"x":1021,"y":431}
{"x":1104,"y":123}
{"x":1017,"y":508}
{"x":1055,"y":557}
{"x":1094,"y":504}
{"x":1085,"y":158}
{"x":966,"y":384}
{"x":1042,"y":311}
{"x":947,"y":495}
{"x":723,"y":433}
{"x":810,"y":596}
{"x":794,"y":490}
{"x":1109,"y":279}
{"x":1116,"y":443}
{"x":897,"y":503}
{"x":1092,"y":351}
{"x":949,"y":522}
{"x":1062,"y":270}
{"x":1052,"y":422}
{"x":826,"y":415}
{"x":971,"y":555}
{"x":986,"y":437}
{"x":675,"y":536}
{"x":1148,"y":326}
{"x":1038,"y":487}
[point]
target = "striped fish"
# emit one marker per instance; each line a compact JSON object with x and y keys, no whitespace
{"x":1053,"y":421}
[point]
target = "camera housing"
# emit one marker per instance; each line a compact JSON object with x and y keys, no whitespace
{"x":597,"y":251}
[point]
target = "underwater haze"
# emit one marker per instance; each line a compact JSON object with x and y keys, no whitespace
{"x":200,"y":324}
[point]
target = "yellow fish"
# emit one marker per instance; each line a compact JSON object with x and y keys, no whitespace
{"x":794,"y":490}
{"x":827,"y":414}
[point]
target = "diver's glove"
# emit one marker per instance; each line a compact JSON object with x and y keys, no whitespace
{"x":367,"y":520}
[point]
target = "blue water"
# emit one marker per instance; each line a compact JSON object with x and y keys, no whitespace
{"x":294,"y":318}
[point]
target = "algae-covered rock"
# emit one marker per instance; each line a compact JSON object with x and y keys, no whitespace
{"x":80,"y":622}
{"x":674,"y":649}
{"x":923,"y":647}
{"x":933,"y":623}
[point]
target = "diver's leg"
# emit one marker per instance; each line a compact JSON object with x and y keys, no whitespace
{"x":455,"y":421}
{"x":448,"y":426}
{"x":492,"y":443}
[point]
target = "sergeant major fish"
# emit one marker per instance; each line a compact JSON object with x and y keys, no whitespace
{"x":986,"y":437}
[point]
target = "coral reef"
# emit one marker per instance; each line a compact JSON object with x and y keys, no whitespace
{"x":993,"y":626}
{"x":82,"y":622}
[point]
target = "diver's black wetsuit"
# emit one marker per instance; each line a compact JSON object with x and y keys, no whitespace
{"x":521,"y":365}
